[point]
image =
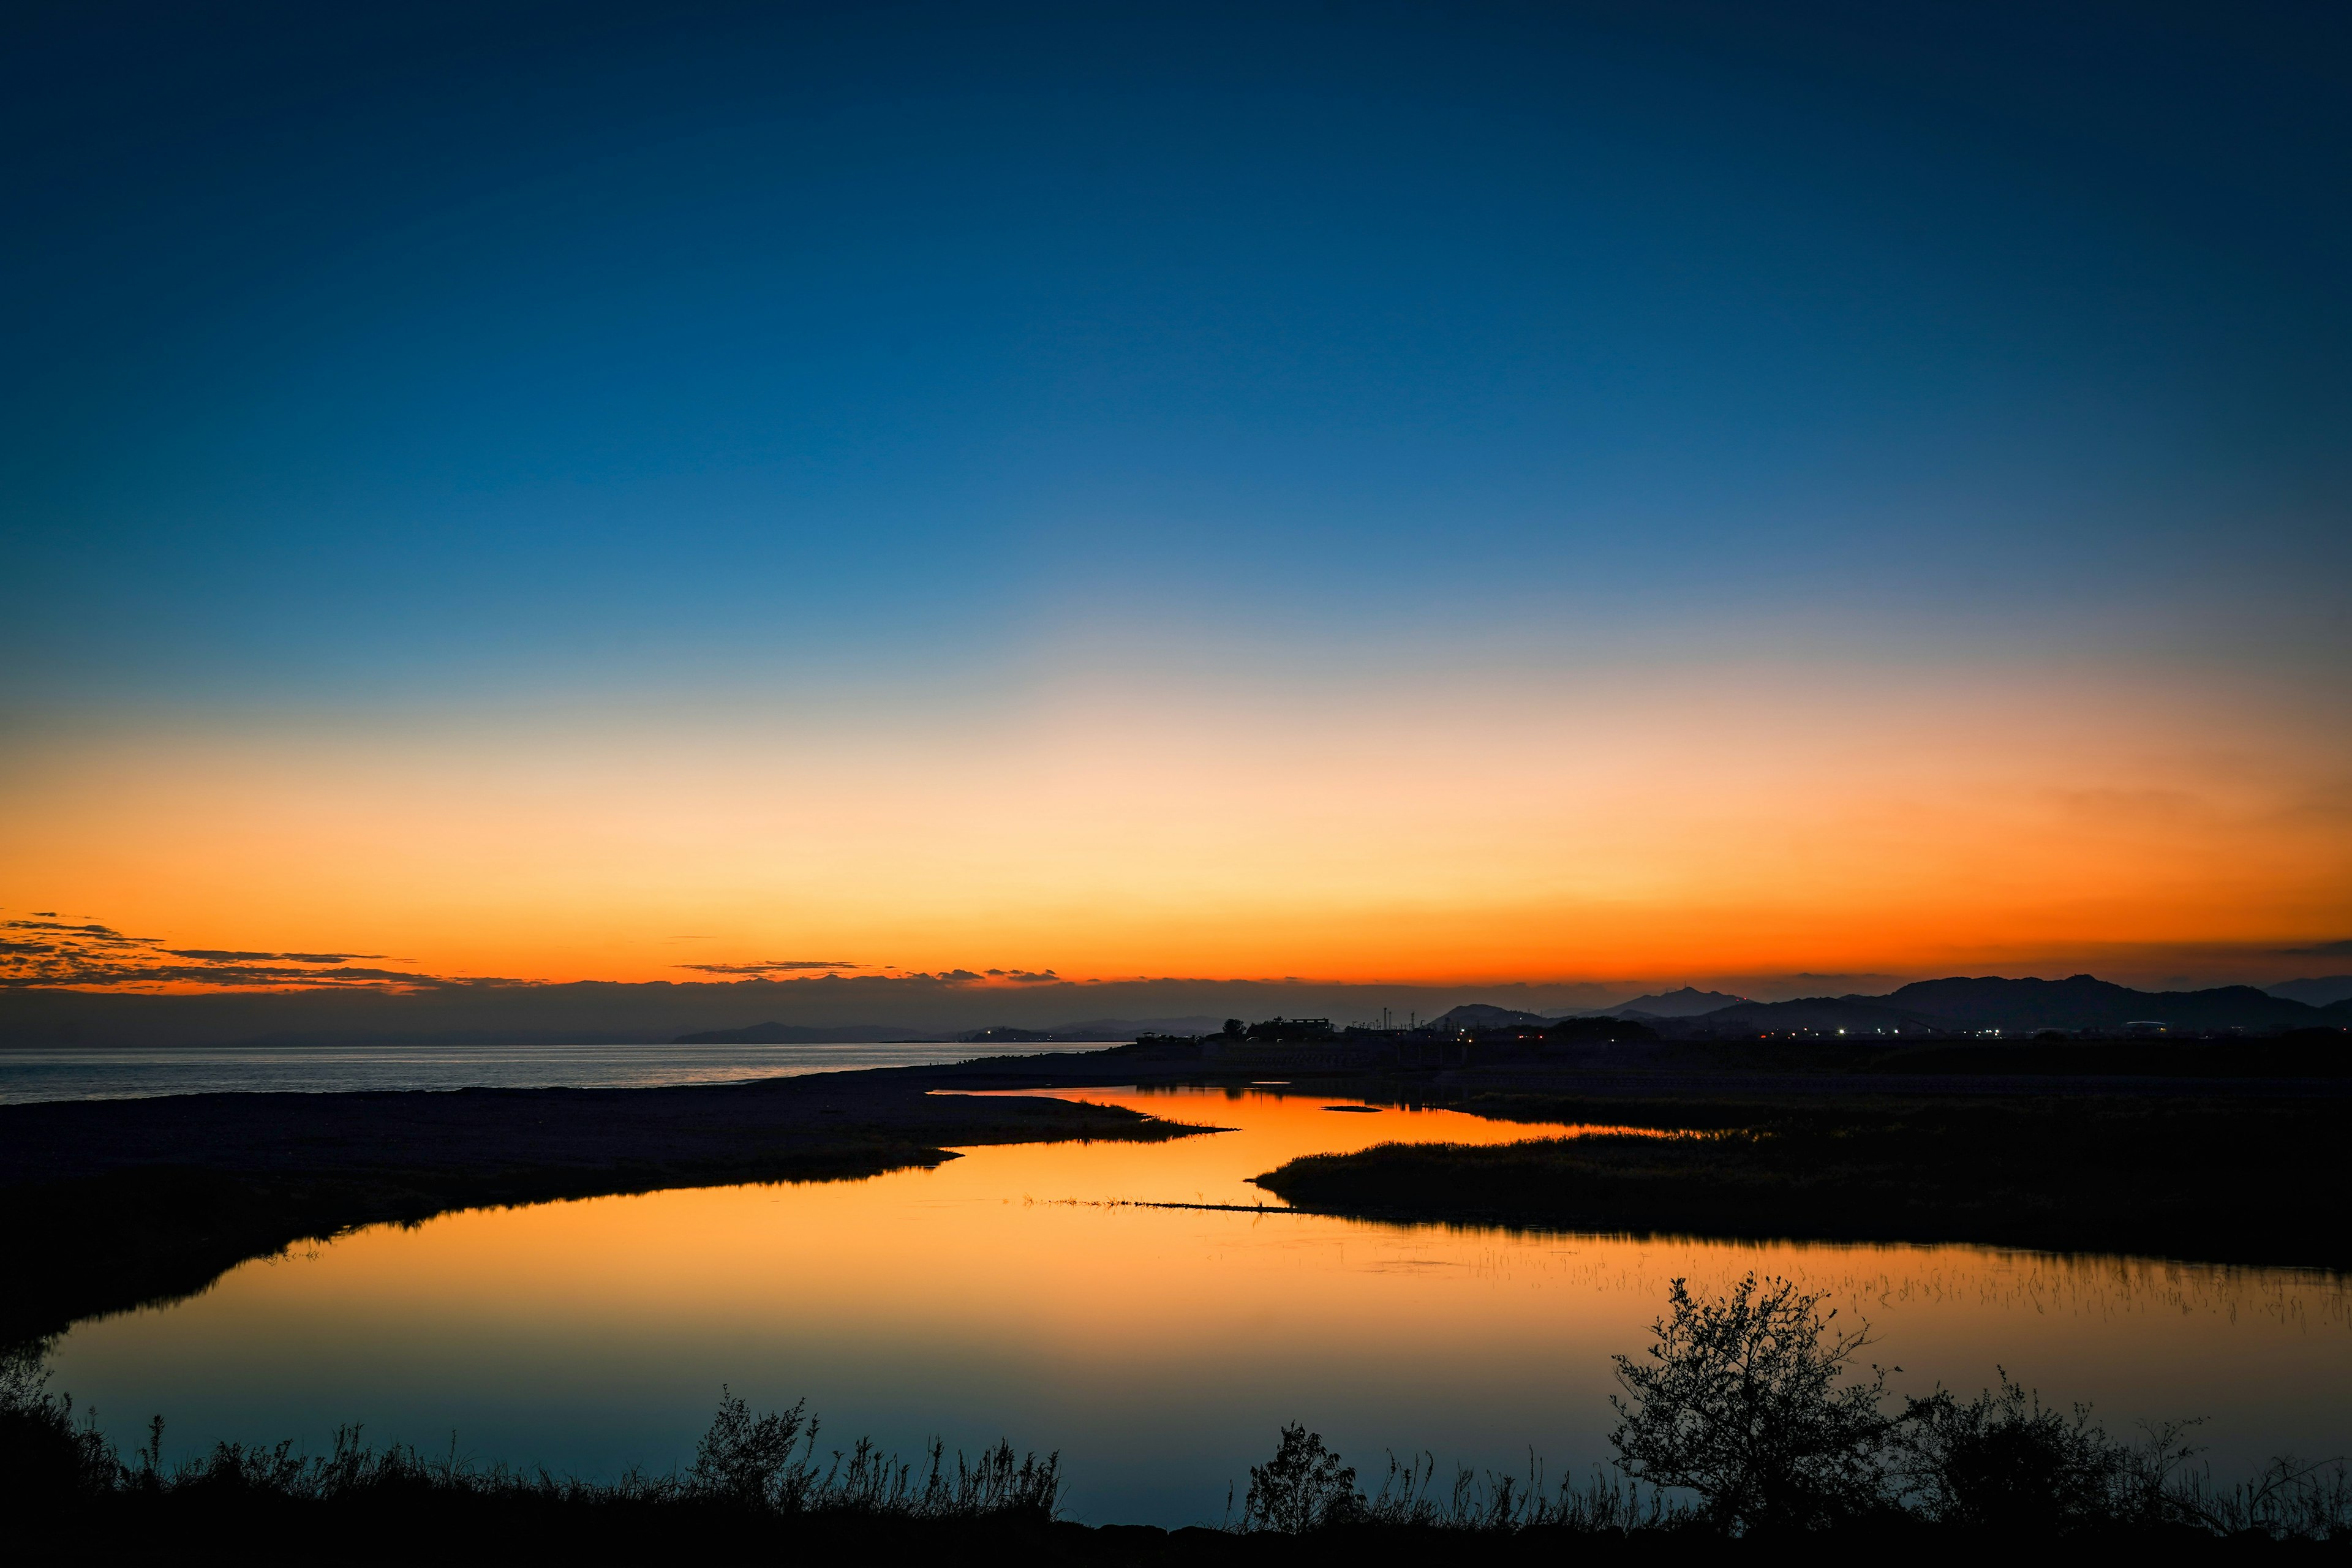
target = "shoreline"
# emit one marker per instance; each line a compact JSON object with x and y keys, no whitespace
{"x":117,"y":1204}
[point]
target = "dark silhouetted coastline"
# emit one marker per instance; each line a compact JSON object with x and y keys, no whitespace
{"x":115,"y":1203}
{"x":2224,"y":1180}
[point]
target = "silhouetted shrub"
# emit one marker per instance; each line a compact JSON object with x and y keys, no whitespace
{"x":1304,"y":1487}
{"x":2005,"y":1462}
{"x":748,"y":1460}
{"x":1744,"y":1401}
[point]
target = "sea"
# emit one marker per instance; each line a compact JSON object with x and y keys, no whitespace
{"x":101,"y":1072}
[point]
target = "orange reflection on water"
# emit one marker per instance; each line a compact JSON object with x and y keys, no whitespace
{"x":1021,"y":1290}
{"x":1261,"y":1127}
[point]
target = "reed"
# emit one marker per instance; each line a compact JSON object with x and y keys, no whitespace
{"x":2001,"y":1466}
{"x":766,"y":1465}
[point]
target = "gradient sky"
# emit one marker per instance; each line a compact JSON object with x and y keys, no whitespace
{"x":1411,"y":492}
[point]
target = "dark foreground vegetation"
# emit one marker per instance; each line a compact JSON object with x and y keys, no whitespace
{"x":1747,"y":1423}
{"x":2243,"y":1180}
{"x":1749,"y":1418}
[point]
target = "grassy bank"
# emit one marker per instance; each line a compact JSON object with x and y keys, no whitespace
{"x":2241,"y":1180}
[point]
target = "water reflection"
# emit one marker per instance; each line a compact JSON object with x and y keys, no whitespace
{"x":1263,"y":1128}
{"x":1016,"y":1291}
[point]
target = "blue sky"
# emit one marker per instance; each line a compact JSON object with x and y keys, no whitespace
{"x":502,"y":345}
{"x":1811,"y":384}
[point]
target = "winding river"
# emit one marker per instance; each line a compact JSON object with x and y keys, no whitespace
{"x":1035,"y":1293}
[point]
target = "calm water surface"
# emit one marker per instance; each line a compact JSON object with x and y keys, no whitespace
{"x":122,"y":1073}
{"x":1019,"y":1291}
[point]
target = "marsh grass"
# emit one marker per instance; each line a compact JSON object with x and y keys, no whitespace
{"x":1496,"y":1502}
{"x":2001,"y":1466}
{"x":2112,"y":1488}
{"x":1751,"y":1416}
{"x":770,"y":1462}
{"x":766,"y":1465}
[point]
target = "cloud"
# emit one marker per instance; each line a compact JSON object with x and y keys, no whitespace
{"x":101,"y":935}
{"x":225,"y":955}
{"x":45,"y":952}
{"x":2342,"y":949}
{"x":774,"y":965}
{"x":69,"y":972}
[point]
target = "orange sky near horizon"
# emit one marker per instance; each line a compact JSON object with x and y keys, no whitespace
{"x":1705,"y":830}
{"x":1435,"y":497}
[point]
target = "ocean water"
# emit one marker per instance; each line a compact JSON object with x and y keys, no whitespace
{"x":1033,"y":1293}
{"x":112,"y":1073}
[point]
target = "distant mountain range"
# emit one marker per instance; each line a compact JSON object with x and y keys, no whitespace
{"x":1688,"y":1002}
{"x":2317,"y":993}
{"x":820,"y":1011}
{"x":1962,"y":1005}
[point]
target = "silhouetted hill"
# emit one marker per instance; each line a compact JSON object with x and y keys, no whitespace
{"x":2080,"y":1002}
{"x":1687,"y":1003}
{"x":1962,"y":1005}
{"x":2317,"y":993}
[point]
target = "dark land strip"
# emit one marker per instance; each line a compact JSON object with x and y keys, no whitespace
{"x":111,"y":1205}
{"x":2227,"y":1151}
{"x":2210,"y":1177}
